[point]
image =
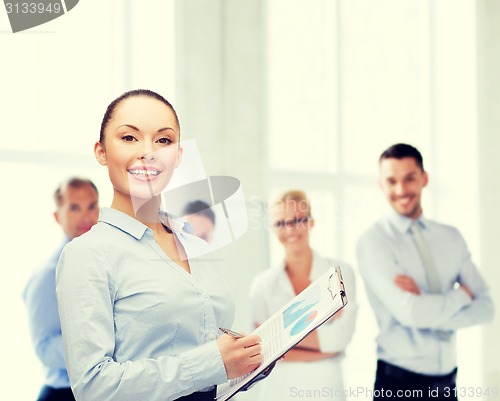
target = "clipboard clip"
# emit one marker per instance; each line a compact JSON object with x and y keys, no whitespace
{"x":340,"y":282}
{"x":262,"y":375}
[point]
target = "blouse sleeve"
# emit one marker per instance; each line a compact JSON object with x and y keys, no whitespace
{"x":86,"y":295}
{"x":335,"y":335}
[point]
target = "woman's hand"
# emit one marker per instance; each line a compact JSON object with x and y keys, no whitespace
{"x":240,"y":355}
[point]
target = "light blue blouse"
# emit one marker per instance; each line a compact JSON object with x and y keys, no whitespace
{"x":136,"y":326}
{"x":409,"y":323}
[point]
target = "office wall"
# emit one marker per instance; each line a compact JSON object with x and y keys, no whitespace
{"x":220,"y":93}
{"x":488,"y":90}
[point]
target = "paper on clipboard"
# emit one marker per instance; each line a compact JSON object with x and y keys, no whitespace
{"x":291,"y":324}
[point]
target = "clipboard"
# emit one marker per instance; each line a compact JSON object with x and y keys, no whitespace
{"x":294,"y":321}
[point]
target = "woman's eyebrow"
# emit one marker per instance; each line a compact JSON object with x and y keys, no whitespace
{"x":137,"y":129}
{"x":165,"y":129}
{"x":130,"y":126}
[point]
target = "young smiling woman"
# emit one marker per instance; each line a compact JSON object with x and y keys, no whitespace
{"x":139,"y":318}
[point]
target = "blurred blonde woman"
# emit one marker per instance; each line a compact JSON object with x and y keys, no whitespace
{"x":312,"y":370}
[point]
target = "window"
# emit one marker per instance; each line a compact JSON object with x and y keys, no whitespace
{"x":346,"y":79}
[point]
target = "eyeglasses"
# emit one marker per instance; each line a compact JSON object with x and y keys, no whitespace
{"x":291,"y":223}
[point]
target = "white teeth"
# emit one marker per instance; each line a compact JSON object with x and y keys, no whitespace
{"x":143,"y":173}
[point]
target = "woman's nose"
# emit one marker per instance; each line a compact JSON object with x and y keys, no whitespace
{"x":148,"y":157}
{"x":147,"y":153}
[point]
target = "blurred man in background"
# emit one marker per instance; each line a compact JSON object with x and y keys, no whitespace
{"x":76,"y":212}
{"x":422,"y":286}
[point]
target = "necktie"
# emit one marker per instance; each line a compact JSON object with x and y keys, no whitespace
{"x":430,"y":268}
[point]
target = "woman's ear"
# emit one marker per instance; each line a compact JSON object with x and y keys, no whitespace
{"x":100,"y":153}
{"x":179,"y":156}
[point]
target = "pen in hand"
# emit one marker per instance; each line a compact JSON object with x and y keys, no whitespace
{"x":231,"y":333}
{"x":240,"y":353}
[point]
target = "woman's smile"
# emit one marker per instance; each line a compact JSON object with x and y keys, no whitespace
{"x":144,"y":173}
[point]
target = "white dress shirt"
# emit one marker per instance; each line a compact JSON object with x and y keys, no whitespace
{"x":272,"y":289}
{"x":408,"y":323}
{"x":137,"y":326}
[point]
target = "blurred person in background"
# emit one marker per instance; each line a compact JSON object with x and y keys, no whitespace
{"x":201,"y":218}
{"x":76,"y":212}
{"x":315,"y":363}
{"x":421,"y":284}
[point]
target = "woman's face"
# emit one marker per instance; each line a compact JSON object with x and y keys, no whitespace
{"x":292,"y":223}
{"x":141,"y":147}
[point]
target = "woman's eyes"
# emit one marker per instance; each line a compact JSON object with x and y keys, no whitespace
{"x":128,"y":138}
{"x":164,"y":141}
{"x":131,"y":138}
